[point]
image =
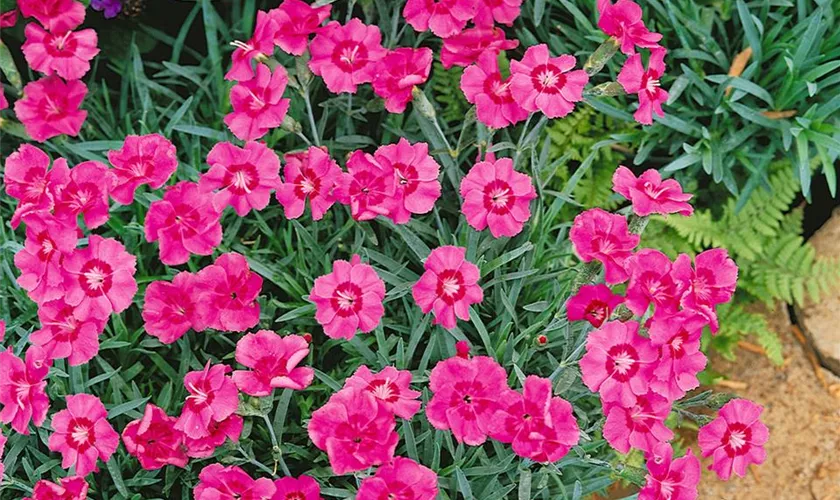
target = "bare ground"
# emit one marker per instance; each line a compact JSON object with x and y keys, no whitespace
{"x":802,"y":411}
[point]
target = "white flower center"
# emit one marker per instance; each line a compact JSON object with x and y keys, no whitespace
{"x":623,"y":361}
{"x":80,"y":434}
{"x":737,"y":439}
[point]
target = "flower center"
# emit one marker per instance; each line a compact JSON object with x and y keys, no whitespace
{"x":497,"y":89}
{"x":650,"y":84}
{"x":241,"y":179}
{"x":347,"y":299}
{"x":450,"y":286}
{"x":735,"y":440}
{"x":622,"y":362}
{"x":349,"y":56}
{"x":308,"y":184}
{"x":95,"y":277}
{"x":384,"y":390}
{"x":295,"y":495}
{"x":596,"y":312}
{"x":199,"y":394}
{"x":548,"y":78}
{"x":498,"y":197}
{"x":61,"y":46}
{"x":81,"y":434}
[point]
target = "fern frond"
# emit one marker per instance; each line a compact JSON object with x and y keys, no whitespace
{"x":737,"y":323}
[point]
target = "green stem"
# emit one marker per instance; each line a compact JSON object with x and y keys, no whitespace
{"x":256,"y":463}
{"x":314,"y":128}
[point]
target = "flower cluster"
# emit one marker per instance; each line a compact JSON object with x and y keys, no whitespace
{"x":645,"y":351}
{"x":648,"y":315}
{"x":51,"y":106}
{"x":622,"y":21}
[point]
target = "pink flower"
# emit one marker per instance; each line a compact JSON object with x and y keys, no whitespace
{"x":636,"y":80}
{"x":218,"y":432}
{"x":735,"y":439}
{"x":244,"y":178}
{"x":680,"y":360}
{"x":29,"y":179}
{"x":213,"y":397}
{"x":617,"y":362}
{"x":169,"y":309}
{"x":56,"y":15}
{"x":367,"y":187}
{"x":82,"y":434}
{"x":667,"y":478}
{"x":483,"y":85}
{"x":346,"y":56}
{"x":142,"y":159}
{"x":154,"y":441}
{"x":623,"y":21}
{"x":444,"y":17}
{"x":711,"y":282}
{"x":650,"y":283}
{"x":390,"y":387}
{"x":465,"y":48}
{"x":602,"y":236}
{"x":311,"y":174}
{"x":448,"y":287}
{"x":545,"y":83}
{"x":650,"y":194}
{"x":86,"y":194}
{"x":398,"y":73}
{"x":4,"y":104}
{"x":227,"y":294}
{"x":416,"y":172}
{"x":348,"y":299}
{"x":48,"y":241}
{"x":354,"y":430}
{"x":2,"y":449}
{"x":68,"y":53}
{"x":273,"y":361}
{"x":216,"y":482}
{"x":466,"y":395}
{"x":497,"y":196}
{"x":498,"y":11}
{"x":63,"y":335}
{"x":403,"y":478}
{"x":23,"y":388}
{"x":296,"y":20}
{"x":185,"y":222}
{"x":259,"y":47}
{"x":69,"y":488}
{"x":50,"y":107}
{"x":640,"y":424}
{"x":99,"y":279}
{"x":2,"y":337}
{"x":258,"y":104}
{"x":301,"y":488}
{"x":594,"y":303}
{"x":541,"y":427}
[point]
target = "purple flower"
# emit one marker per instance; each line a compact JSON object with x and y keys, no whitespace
{"x":110,"y":7}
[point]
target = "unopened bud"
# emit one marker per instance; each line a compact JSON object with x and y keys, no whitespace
{"x":463,"y":349}
{"x":542,"y":340}
{"x":291,"y":125}
{"x":307,"y":337}
{"x":422,"y":104}
{"x":605,"y":89}
{"x":601,"y":56}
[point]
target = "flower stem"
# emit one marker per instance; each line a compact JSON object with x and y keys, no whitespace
{"x":314,"y":128}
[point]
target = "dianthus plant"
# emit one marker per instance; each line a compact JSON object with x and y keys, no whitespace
{"x":404,"y":320}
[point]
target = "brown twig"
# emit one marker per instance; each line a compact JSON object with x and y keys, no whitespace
{"x":749,"y":346}
{"x":811,"y":355}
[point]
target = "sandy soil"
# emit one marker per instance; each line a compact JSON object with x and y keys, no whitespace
{"x":803,"y":414}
